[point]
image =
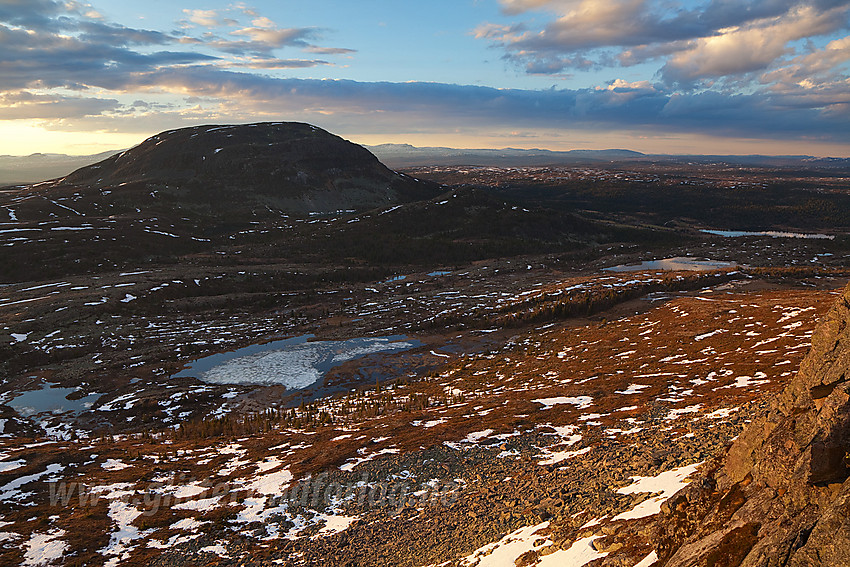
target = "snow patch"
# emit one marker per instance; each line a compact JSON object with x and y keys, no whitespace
{"x":580,"y":553}
{"x":7,"y":466}
{"x":42,"y":549}
{"x":556,"y":457}
{"x":114,"y":465}
{"x":632,"y":389}
{"x":581,"y":402}
{"x":507,"y":550}
{"x":665,"y":484}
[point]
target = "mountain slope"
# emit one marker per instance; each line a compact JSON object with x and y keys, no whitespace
{"x":782,"y":496}
{"x":194,"y":191}
{"x":293,"y":167}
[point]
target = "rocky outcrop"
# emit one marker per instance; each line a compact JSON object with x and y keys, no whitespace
{"x":781,"y":496}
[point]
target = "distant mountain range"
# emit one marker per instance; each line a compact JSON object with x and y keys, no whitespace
{"x":40,"y":167}
{"x":405,"y":155}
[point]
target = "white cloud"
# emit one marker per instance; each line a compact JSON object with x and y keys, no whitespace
{"x":623,"y":85}
{"x":498,"y":32}
{"x":273,"y":63}
{"x":206,"y":18}
{"x":263,"y":22}
{"x":272,"y":36}
{"x":818,"y":67}
{"x":519,"y":6}
{"x":799,"y":96}
{"x":715,"y":38}
{"x":754,"y":47}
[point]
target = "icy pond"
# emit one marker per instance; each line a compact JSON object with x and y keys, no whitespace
{"x":51,"y":400}
{"x":679,"y":263}
{"x":295,"y":363}
{"x":771,"y":233}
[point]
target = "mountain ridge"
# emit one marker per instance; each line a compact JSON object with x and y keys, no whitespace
{"x":45,"y":166}
{"x":407,"y":155}
{"x":291,"y":166}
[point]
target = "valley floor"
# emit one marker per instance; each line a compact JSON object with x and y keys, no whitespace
{"x":509,"y":434}
{"x":463,"y":366}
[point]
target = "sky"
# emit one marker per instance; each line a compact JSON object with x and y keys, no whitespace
{"x":657,"y":76}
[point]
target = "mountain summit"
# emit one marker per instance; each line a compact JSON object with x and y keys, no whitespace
{"x":289,"y":166}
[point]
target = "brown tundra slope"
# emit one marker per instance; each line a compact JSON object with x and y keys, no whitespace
{"x":782,"y":495}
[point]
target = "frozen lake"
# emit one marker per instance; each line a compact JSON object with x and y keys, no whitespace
{"x":295,"y":363}
{"x":50,"y":400}
{"x":771,"y":233}
{"x":679,"y":263}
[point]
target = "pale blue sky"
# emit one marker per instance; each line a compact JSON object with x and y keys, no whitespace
{"x":697,"y":76}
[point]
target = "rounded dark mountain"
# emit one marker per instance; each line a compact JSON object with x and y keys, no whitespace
{"x":289,"y":166}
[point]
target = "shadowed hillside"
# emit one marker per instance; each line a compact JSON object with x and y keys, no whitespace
{"x":294,"y":167}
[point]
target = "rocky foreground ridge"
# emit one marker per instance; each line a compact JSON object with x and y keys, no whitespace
{"x":782,"y":494}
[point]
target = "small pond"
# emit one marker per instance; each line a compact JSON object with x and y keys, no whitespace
{"x":295,"y":363}
{"x":679,"y":263}
{"x":51,"y":400}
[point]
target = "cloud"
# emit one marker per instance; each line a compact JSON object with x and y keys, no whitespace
{"x":435,"y":106}
{"x":329,"y":50}
{"x":26,"y":105}
{"x":818,"y":67}
{"x":261,"y":38}
{"x":621,"y":85}
{"x":33,"y":13}
{"x":51,"y":48}
{"x":356,"y":109}
{"x":716,"y":38}
{"x":499,"y":32}
{"x":267,"y":38}
{"x":48,"y":44}
{"x":33,"y":59}
{"x":205,"y":18}
{"x":115,"y":35}
{"x":273,"y":63}
{"x":745,"y":49}
{"x":513,"y":7}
